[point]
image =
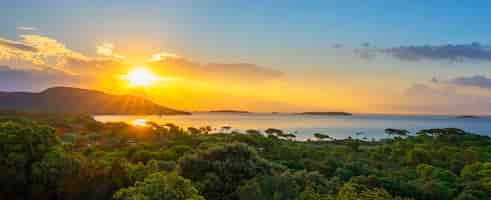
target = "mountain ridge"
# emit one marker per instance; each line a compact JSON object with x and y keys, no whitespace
{"x":79,"y":100}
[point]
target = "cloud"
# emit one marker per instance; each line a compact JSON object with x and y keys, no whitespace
{"x":107,"y":49}
{"x":162,"y":56}
{"x":337,"y":46}
{"x":95,"y":66}
{"x":474,"y":81}
{"x":451,"y":52}
{"x":423,"y":90}
{"x":366,"y":45}
{"x":41,"y":53}
{"x":9,"y":45}
{"x":242,"y":69}
{"x":39,"y":50}
{"x":34,"y":80}
{"x":184,"y":68}
{"x":50,"y":47}
{"x":26,"y":28}
{"x":366,"y":52}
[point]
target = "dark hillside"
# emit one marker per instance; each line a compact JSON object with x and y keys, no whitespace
{"x":76,"y":100}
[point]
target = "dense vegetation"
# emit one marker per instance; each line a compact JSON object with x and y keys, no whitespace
{"x":75,"y":157}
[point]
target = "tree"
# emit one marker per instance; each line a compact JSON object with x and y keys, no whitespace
{"x":321,"y":136}
{"x":220,"y":170}
{"x":418,"y":156}
{"x":350,"y":191}
{"x":437,"y":183}
{"x":396,"y":132}
{"x":468,"y":173}
{"x":467,"y":196}
{"x":376,"y":194}
{"x":300,"y":185}
{"x":355,"y":191}
{"x":438,"y":132}
{"x":281,"y":134}
{"x":250,"y":190}
{"x":194,"y":131}
{"x":226,"y":128}
{"x":359,"y":133}
{"x":159,"y":186}
{"x":289,"y":136}
{"x":205,"y":129}
{"x":273,"y":132}
{"x":253,"y":132}
{"x":485,"y":174}
{"x":54,"y":175}
{"x":21,"y":146}
{"x":309,"y":193}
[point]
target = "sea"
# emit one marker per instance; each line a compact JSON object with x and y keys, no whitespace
{"x":362,"y":126}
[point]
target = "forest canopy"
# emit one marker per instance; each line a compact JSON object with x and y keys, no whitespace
{"x":75,"y":157}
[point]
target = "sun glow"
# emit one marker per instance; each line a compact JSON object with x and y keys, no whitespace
{"x":140,"y":77}
{"x":139,"y":122}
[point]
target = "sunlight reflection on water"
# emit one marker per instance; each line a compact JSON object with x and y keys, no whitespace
{"x":139,"y":122}
{"x":372,"y":126}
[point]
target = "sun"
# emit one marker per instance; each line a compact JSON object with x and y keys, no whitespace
{"x":140,"y":77}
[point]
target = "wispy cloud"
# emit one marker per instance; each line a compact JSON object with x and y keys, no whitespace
{"x":366,"y":44}
{"x":181,"y":67}
{"x":451,"y":52}
{"x":162,"y":56}
{"x":337,"y":46}
{"x":367,"y":51}
{"x":479,"y":81}
{"x":107,"y":49}
{"x":50,"y":47}
{"x":26,"y":28}
{"x":424,"y":90}
{"x":7,"y":45}
{"x":39,"y":50}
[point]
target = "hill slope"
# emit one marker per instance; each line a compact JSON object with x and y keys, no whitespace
{"x":76,"y":100}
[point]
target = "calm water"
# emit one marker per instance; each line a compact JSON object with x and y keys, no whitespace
{"x":372,"y":126}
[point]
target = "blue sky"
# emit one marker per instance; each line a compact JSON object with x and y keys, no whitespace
{"x":315,"y":44}
{"x":310,"y":23}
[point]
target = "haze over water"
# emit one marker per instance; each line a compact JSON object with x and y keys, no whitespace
{"x":372,"y":126}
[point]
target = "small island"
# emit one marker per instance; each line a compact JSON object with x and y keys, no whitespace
{"x":327,"y":113}
{"x":230,"y":111}
{"x":467,"y":117}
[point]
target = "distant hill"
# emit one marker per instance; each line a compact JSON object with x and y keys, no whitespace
{"x":76,"y":100}
{"x":325,"y":113}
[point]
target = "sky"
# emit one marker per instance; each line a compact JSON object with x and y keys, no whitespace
{"x":396,"y":57}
